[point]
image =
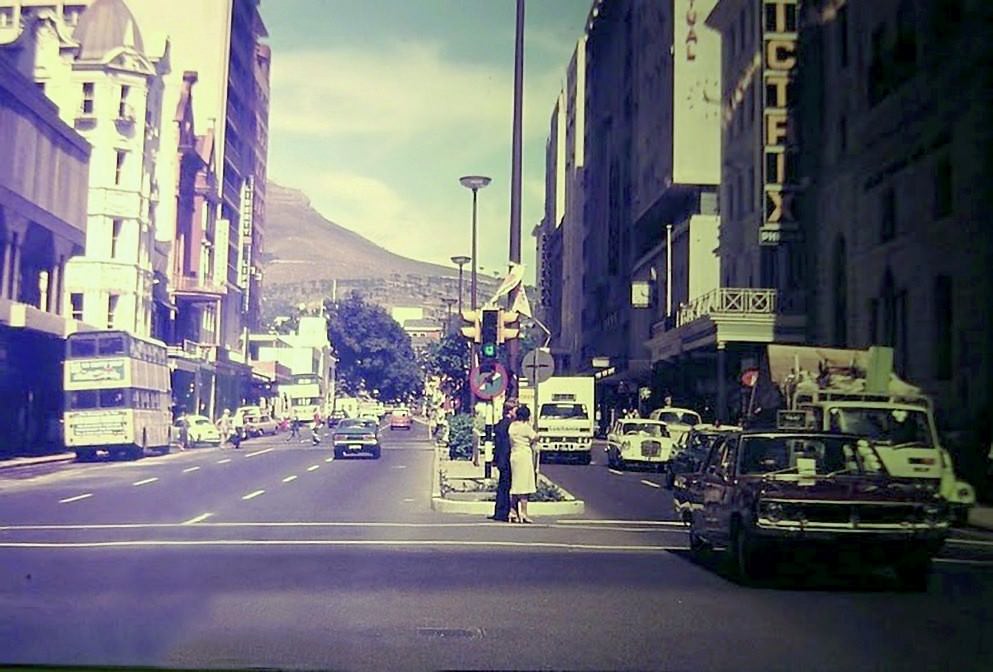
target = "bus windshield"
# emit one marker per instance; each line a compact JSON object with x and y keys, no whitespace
{"x":564,"y":411}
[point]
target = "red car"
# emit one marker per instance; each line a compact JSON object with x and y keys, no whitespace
{"x":400,"y":419}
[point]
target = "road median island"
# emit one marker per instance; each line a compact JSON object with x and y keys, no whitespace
{"x":458,"y":486}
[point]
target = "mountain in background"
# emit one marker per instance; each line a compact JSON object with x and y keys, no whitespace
{"x":301,"y":245}
{"x":308,"y":258}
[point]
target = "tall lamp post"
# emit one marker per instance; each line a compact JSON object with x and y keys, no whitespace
{"x":475,"y":183}
{"x":448,"y":301}
{"x":461,"y":260}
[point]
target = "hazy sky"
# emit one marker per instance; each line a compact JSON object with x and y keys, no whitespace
{"x":379,"y":106}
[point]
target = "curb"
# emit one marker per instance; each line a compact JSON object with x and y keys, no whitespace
{"x":31,"y":461}
{"x":441,"y":505}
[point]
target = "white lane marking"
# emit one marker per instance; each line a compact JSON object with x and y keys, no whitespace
{"x":614,"y":471}
{"x":290,"y":479}
{"x":578,"y":521}
{"x":189,"y":469}
{"x":224,"y":461}
{"x":253,"y":495}
{"x":329,"y":459}
{"x":67,"y":500}
{"x":651,"y":484}
{"x":408,"y":499}
{"x":259,"y":452}
{"x":345,"y":542}
{"x":313,"y":467}
{"x":969,"y":542}
{"x":957,"y":561}
{"x":399,"y":466}
{"x":198,"y":519}
{"x":146,"y":481}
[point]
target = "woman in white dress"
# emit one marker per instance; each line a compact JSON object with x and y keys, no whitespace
{"x":522,"y":477}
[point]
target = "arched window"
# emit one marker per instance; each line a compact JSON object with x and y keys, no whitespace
{"x":840,"y":287}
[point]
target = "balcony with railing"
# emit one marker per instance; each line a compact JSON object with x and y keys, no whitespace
{"x":193,"y":350}
{"x":741,"y":301}
{"x":187,"y":285}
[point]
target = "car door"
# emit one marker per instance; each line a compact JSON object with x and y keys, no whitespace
{"x":612,"y":437}
{"x":718,"y":490}
{"x":692,"y":491}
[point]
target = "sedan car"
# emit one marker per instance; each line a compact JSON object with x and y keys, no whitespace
{"x":191,"y":431}
{"x":356,"y":435}
{"x":400,"y":419}
{"x":679,"y":421}
{"x":693,"y":449}
{"x":641,"y":442}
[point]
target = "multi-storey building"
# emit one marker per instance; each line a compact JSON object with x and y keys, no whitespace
{"x":549,"y":232}
{"x":43,"y":191}
{"x":109,"y":88}
{"x":896,"y":213}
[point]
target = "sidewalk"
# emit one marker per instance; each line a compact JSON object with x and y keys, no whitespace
{"x":981,"y":516}
{"x":10,"y":463}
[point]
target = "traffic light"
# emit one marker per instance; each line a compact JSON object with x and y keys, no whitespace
{"x":471,"y":330}
{"x":508,"y":325}
{"x":489,"y":331}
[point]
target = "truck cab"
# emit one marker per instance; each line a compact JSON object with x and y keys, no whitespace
{"x":565,"y":417}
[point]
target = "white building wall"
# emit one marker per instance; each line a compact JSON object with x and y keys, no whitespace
{"x":704,"y":264}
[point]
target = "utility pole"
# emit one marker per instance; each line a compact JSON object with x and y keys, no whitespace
{"x":515,"y":184}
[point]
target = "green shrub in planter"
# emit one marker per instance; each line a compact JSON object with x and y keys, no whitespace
{"x":460,"y":437}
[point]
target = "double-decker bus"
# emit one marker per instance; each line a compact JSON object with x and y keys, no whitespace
{"x":304,"y":396}
{"x":117,"y":394}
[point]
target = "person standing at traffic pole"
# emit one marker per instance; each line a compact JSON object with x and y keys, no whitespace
{"x":523,"y":480}
{"x":501,"y":458}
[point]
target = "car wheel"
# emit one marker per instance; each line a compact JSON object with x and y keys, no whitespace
{"x":670,"y":479}
{"x":375,"y":453}
{"x":338,"y":454}
{"x":697,"y":545}
{"x":86,"y":455}
{"x":746,"y":556}
{"x":913,"y":572}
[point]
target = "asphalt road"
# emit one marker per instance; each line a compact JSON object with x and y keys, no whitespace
{"x":277,"y":555}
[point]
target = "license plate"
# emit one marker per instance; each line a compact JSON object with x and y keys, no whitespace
{"x":355,"y":446}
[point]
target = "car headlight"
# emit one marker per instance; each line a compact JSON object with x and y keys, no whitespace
{"x":771,"y":510}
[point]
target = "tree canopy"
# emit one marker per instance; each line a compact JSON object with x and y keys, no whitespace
{"x":449,"y":360}
{"x":374,"y":352}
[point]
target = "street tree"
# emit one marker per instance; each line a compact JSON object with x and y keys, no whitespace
{"x":449,"y":360}
{"x":374,"y":352}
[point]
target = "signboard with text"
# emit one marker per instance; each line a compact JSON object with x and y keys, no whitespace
{"x":93,"y":374}
{"x":779,"y":60}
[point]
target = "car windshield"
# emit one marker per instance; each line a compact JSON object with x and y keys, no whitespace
{"x":562,"y":411}
{"x":819,"y":455}
{"x":650,"y":428}
{"x":701,"y":443}
{"x":679,"y":417}
{"x":885,"y":426}
{"x":346,"y":424}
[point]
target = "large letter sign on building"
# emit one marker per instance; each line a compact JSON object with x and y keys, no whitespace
{"x":779,"y":59}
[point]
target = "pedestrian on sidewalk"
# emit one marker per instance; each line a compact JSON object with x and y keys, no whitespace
{"x":523,"y":481}
{"x":315,"y":436}
{"x":501,"y":458}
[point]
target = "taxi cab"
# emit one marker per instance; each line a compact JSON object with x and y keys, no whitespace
{"x":640,"y":442}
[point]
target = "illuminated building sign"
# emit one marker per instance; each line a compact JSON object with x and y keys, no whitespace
{"x":779,"y":59}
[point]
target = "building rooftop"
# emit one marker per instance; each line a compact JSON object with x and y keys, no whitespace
{"x":106,"y":25}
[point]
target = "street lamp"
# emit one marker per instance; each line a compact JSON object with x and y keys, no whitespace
{"x":474,"y":182}
{"x":448,"y":301}
{"x":461,"y":260}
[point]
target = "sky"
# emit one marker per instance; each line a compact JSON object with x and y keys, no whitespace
{"x":377,"y":107}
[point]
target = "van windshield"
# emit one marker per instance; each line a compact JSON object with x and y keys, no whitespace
{"x":893,"y":426}
{"x":564,"y":411}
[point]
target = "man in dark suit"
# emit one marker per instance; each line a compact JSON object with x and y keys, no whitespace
{"x":501,"y":458}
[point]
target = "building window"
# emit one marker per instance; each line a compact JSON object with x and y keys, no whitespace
{"x":843,"y":36}
{"x":122,"y":108}
{"x":88,"y":98}
{"x":70,"y":14}
{"x":76,"y":301}
{"x":111,"y":309}
{"x":6,"y":17}
{"x":119,"y":170}
{"x":115,"y":237}
{"x":943,"y":193}
{"x":840,"y":288}
{"x":943,"y":327}
{"x":887,"y":224}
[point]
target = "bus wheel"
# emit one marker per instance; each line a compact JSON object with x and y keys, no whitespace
{"x":86,"y":455}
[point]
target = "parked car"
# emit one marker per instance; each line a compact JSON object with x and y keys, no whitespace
{"x":191,"y":431}
{"x":759,"y":492}
{"x":679,"y":421}
{"x":690,"y":452}
{"x":639,"y":442}
{"x":356,"y":435}
{"x":400,"y":419}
